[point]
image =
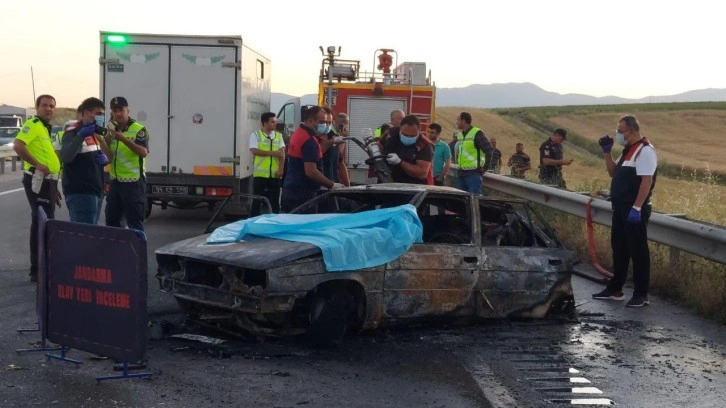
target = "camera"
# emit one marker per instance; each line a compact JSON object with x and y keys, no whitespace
{"x":101,"y":131}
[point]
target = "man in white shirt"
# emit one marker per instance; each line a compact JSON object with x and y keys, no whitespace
{"x":268,"y":163}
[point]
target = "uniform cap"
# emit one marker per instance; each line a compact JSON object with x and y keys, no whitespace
{"x":119,"y":102}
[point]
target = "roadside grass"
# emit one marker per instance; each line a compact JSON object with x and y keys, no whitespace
{"x":691,"y":179}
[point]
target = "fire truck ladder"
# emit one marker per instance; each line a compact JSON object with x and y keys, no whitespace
{"x":423,"y":117}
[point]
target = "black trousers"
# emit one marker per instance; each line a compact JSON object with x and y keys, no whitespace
{"x":630,"y":241}
{"x":126,"y":199}
{"x":293,"y":198}
{"x":46,"y":199}
{"x":267,"y":187}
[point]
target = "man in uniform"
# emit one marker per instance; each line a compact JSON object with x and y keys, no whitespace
{"x":551,"y":160}
{"x":34,"y":146}
{"x":84,"y":153}
{"x":519,"y":163}
{"x":305,"y":161}
{"x":268,"y":151}
{"x":473,"y":149}
{"x":128,"y":141}
{"x":408,"y":153}
{"x":633,"y":179}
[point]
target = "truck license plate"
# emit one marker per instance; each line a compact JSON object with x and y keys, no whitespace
{"x":170,"y":189}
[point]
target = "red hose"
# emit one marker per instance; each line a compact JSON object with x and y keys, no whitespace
{"x":591,"y":242}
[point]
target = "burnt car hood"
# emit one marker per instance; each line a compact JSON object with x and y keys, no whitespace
{"x":255,"y":253}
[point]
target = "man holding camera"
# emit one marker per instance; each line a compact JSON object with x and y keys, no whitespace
{"x":84,"y":153}
{"x":128,"y":141}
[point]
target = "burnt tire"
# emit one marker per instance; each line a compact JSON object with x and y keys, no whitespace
{"x":329,"y":312}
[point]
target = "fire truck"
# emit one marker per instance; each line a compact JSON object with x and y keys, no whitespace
{"x":369,"y":97}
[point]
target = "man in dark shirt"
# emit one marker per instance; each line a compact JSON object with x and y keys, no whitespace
{"x":551,"y":160}
{"x":304,"y":176}
{"x":495,"y":159}
{"x":408,"y":153}
{"x":83,"y":153}
{"x":519,"y":163}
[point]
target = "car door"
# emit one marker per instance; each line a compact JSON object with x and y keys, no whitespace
{"x":436,"y":277}
{"x":523,"y":270}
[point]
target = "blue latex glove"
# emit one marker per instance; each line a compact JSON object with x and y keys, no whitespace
{"x":87,"y":130}
{"x":634,"y":216}
{"x":606,"y":143}
{"x":101,"y":159}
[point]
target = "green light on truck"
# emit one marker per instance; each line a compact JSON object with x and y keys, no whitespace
{"x":117,"y":39}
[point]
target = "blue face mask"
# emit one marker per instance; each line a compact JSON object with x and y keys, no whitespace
{"x":100,"y":120}
{"x":322,"y":129}
{"x":408,"y":140}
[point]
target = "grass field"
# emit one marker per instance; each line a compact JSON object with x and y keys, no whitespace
{"x":687,"y":138}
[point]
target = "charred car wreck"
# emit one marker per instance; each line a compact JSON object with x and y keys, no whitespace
{"x":480,"y":258}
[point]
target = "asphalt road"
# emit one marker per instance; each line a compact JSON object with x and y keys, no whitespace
{"x":660,"y":355}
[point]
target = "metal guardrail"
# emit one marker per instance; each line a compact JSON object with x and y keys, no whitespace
{"x":705,"y":240}
{"x":6,"y":152}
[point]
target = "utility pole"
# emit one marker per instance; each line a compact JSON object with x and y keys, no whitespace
{"x":32,"y":78}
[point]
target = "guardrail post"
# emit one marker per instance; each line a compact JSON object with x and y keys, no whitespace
{"x":674,"y":255}
{"x":2,"y":166}
{"x":14,"y":164}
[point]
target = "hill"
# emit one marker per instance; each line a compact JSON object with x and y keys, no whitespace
{"x":511,"y":95}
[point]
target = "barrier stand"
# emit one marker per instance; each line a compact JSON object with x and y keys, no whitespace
{"x":123,"y":376}
{"x":63,"y":357}
{"x":42,"y":348}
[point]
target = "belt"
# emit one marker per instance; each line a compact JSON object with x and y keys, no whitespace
{"x":47,"y":176}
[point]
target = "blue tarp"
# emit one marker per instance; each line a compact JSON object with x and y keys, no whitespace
{"x":348,"y":241}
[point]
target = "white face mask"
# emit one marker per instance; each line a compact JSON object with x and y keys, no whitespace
{"x":620,"y":138}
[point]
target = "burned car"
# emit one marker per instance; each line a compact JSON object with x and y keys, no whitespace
{"x":480,"y":258}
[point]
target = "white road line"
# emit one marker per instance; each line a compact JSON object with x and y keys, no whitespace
{"x":11,"y":191}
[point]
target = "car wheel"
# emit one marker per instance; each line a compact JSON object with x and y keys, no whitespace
{"x":328,"y":313}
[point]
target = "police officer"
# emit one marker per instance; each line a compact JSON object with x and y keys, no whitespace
{"x":34,"y":145}
{"x":472,"y":151}
{"x":551,"y":160}
{"x":268,"y":164}
{"x":128,"y":141}
{"x":633,"y":178}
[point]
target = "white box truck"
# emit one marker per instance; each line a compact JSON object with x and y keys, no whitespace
{"x":199,"y":97}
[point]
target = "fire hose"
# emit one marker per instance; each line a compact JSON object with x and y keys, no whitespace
{"x":591,"y":244}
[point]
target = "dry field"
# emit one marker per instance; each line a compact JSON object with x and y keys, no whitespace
{"x":700,"y":201}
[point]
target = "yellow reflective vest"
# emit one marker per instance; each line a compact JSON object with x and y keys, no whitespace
{"x":266,"y":166}
{"x":127,"y":165}
{"x":469,"y":157}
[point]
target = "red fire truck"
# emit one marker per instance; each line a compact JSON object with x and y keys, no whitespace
{"x":368,"y":97}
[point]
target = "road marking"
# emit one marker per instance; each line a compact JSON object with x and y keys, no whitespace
{"x":11,"y":191}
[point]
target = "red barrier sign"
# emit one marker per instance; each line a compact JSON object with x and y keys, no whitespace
{"x":97,"y":289}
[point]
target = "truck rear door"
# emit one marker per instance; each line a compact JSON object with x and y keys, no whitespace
{"x":203,"y":106}
{"x":141,"y":75}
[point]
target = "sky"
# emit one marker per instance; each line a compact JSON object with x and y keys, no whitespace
{"x":631,"y":49}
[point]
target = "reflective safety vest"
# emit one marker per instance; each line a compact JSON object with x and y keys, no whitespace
{"x":266,"y":166}
{"x":127,"y":165}
{"x":468,"y":153}
{"x":37,"y":140}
